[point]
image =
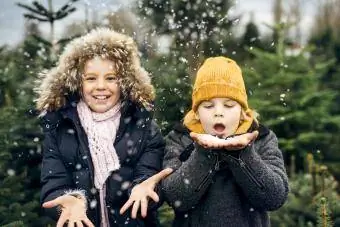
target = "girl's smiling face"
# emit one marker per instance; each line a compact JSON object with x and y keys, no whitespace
{"x":100,"y":90}
{"x":219,"y":116}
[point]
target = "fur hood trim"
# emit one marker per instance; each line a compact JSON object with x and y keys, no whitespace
{"x":55,"y":84}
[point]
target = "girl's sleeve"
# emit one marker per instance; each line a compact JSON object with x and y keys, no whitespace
{"x":191,"y":178}
{"x":55,"y":179}
{"x":259,"y":170}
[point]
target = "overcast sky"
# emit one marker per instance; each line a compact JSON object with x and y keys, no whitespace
{"x":12,"y":21}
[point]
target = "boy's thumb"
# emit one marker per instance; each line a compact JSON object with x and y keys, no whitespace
{"x":194,"y":135}
{"x":255,"y":134}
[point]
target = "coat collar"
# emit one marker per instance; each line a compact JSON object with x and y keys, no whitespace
{"x":130,"y":113}
{"x":129,"y":110}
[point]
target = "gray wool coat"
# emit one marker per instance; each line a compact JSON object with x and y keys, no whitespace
{"x":223,"y":188}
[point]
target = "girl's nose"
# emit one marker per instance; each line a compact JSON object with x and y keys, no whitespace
{"x":101,"y":84}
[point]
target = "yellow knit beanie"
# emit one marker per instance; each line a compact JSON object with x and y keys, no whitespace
{"x":219,"y":77}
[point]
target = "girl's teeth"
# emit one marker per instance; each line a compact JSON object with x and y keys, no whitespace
{"x":100,"y":97}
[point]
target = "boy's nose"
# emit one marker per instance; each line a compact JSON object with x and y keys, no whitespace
{"x":218,"y":111}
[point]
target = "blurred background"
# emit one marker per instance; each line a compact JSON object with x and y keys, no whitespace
{"x":289,"y":52}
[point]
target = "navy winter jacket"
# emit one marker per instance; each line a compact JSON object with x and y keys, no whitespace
{"x":67,"y":161}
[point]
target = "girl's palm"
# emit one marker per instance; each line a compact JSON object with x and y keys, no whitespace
{"x":141,"y":193}
{"x":73,"y":211}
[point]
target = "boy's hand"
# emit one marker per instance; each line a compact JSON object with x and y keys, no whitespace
{"x":232,"y":143}
{"x":73,"y":211}
{"x":141,"y":193}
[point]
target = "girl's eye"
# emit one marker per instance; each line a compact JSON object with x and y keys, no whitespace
{"x":111,"y":78}
{"x":90,"y":78}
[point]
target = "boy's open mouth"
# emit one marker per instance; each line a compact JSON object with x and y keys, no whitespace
{"x":219,"y":127}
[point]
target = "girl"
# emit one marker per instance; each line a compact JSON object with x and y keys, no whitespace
{"x":229,"y":169}
{"x":100,"y":139}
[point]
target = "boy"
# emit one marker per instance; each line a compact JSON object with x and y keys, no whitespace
{"x":229,"y":170}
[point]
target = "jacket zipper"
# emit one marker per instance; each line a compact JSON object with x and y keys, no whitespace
{"x":206,"y":178}
{"x":77,"y":125}
{"x":87,"y":151}
{"x":245,"y":168}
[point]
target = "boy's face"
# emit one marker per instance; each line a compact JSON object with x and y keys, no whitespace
{"x":219,"y":116}
{"x":99,"y":86}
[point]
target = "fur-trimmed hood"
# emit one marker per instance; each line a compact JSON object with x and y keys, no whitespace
{"x":54,"y":85}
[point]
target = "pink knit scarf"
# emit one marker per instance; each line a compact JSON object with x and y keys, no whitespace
{"x":101,"y":129}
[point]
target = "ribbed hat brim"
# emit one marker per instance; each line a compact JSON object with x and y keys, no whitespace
{"x":218,"y":90}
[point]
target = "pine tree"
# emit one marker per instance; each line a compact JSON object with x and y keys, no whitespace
{"x":312,"y":201}
{"x":172,"y":87}
{"x":250,"y":39}
{"x":19,"y":150}
{"x":20,"y":135}
{"x":287,"y":92}
{"x":40,"y":13}
{"x":323,"y":212}
{"x":251,"y":35}
{"x":197,"y":28}
{"x":326,"y":43}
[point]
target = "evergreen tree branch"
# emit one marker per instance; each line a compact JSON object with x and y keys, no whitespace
{"x":41,"y":8}
{"x":65,"y":7}
{"x":29,"y":8}
{"x":61,"y":15}
{"x":42,"y":40}
{"x":62,"y":41}
{"x":30,"y":16}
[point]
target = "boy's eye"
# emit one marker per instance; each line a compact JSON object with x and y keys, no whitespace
{"x":207,"y":105}
{"x":230,"y":103}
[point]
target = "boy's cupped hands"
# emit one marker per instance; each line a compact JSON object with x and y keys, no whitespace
{"x":230,"y":143}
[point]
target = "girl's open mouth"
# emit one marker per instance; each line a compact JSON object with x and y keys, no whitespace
{"x":101,"y":97}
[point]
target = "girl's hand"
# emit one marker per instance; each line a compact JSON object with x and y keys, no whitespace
{"x":232,"y":143}
{"x":141,"y":193}
{"x":73,"y":211}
